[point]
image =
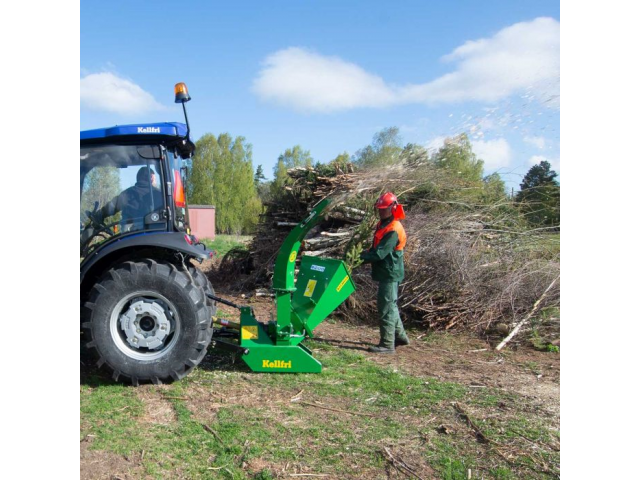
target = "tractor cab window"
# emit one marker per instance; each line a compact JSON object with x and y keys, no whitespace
{"x":120,"y":192}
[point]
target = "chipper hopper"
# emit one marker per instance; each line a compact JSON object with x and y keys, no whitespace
{"x":302,"y":303}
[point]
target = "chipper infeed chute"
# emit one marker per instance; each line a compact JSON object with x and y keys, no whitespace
{"x":302,"y":303}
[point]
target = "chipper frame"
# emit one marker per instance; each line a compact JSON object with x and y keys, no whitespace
{"x":302,"y":303}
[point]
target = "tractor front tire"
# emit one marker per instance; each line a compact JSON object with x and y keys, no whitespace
{"x":147,"y":321}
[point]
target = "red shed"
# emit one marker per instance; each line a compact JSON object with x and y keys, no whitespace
{"x":202,"y":220}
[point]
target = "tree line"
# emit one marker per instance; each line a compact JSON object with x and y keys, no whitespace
{"x":222,"y":174}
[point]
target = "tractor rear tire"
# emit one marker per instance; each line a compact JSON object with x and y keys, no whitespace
{"x":202,"y":281}
{"x":147,"y":321}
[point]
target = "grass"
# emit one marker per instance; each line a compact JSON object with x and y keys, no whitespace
{"x":260,"y":431}
{"x":223,"y":243}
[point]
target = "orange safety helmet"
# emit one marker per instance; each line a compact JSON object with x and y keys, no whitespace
{"x":387,"y":200}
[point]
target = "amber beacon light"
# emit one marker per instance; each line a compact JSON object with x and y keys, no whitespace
{"x":182,"y":94}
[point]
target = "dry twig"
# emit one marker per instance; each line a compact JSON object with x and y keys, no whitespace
{"x":400,"y":465}
{"x":529,"y":315}
{"x":212,"y":432}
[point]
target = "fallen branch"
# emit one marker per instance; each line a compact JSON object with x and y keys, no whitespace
{"x":529,"y":315}
{"x":473,"y":426}
{"x":478,"y":432}
{"x":212,"y":432}
{"x":400,"y":465}
{"x":296,"y":397}
{"x":244,"y":454}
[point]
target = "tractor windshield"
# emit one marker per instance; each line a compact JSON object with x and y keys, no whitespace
{"x":119,"y":192}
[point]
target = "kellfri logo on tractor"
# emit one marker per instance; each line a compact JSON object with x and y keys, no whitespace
{"x":148,"y":129}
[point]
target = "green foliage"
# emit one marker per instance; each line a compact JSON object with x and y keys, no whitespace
{"x":539,"y":196}
{"x":259,"y":176}
{"x":223,"y":243}
{"x":540,"y":174}
{"x":291,"y":158}
{"x":222,"y":174}
{"x":384,"y":150}
{"x":264,"y":193}
{"x":456,"y":157}
{"x":101,"y":185}
{"x":352,"y":256}
{"x":341,"y":162}
{"x":296,"y":157}
{"x":494,"y":189}
{"x":280,"y":180}
{"x":414,"y":154}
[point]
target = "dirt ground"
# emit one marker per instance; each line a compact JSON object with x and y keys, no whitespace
{"x":463,"y":359}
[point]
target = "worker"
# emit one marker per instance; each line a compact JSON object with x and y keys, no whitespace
{"x":136,"y":201}
{"x":387,"y":268}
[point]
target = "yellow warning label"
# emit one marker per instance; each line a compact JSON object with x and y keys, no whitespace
{"x":311,"y":286}
{"x":344,"y":280}
{"x":249,"y":332}
{"x":293,"y":256}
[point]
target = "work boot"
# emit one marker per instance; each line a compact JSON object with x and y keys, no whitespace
{"x":381,"y":349}
{"x":402,"y":341}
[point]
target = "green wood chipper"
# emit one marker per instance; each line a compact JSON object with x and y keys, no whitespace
{"x":302,"y":303}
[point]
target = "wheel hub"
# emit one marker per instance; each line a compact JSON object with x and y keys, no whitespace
{"x":146,"y":324}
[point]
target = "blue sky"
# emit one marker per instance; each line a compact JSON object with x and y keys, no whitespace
{"x":328,"y":75}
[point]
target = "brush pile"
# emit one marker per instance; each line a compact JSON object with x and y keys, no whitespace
{"x":467,"y":265}
{"x":307,"y":187}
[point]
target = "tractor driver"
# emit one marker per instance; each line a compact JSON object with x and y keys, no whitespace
{"x":387,"y":268}
{"x":135,"y":202}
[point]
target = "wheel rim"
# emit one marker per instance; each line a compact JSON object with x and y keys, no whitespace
{"x":145,"y":325}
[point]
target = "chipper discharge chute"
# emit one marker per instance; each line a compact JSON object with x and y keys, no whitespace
{"x":302,"y":303}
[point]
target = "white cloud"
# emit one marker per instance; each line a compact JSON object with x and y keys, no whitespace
{"x":111,"y":93}
{"x":536,"y":159}
{"x":521,"y":58}
{"x":495,"y":153}
{"x":538,"y":142}
{"x":307,"y":81}
{"x":524,"y":57}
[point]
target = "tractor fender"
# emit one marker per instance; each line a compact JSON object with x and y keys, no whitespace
{"x":170,"y":241}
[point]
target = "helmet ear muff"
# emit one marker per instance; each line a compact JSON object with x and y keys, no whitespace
{"x":398,"y":212}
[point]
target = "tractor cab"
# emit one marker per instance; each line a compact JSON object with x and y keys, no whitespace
{"x":131,"y":182}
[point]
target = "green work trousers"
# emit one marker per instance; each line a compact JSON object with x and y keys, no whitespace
{"x":388,"y":315}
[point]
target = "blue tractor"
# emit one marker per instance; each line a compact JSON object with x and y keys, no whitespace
{"x":146,"y":310}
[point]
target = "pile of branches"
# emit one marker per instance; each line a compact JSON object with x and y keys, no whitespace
{"x":329,"y":238}
{"x":459,"y":274}
{"x":467,"y":266}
